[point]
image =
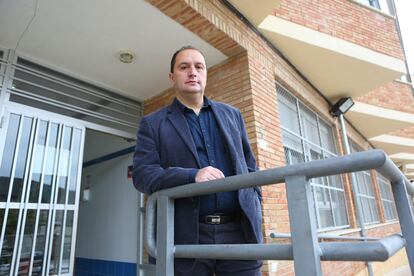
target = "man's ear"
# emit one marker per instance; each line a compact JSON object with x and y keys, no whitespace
{"x":171,"y":78}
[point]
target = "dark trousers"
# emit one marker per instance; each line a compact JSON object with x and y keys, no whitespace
{"x":228,"y":233}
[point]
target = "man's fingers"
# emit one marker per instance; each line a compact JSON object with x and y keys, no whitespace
{"x":216,"y":173}
{"x":208,"y":173}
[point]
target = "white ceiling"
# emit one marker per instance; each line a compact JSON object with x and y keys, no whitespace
{"x":83,"y":39}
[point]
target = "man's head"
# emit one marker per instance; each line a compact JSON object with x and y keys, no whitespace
{"x":188,"y":72}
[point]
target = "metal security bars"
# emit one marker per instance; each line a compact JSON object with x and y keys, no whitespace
{"x":39,"y":195}
{"x":307,"y":137}
{"x":305,"y":249}
{"x":2,"y":68}
{"x":40,"y":87}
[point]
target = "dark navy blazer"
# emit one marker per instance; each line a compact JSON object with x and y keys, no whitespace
{"x":165,"y":156}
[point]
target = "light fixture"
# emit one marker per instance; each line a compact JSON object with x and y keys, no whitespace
{"x":342,"y":106}
{"x":126,"y":56}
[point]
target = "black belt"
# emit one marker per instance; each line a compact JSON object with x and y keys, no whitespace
{"x":219,"y":218}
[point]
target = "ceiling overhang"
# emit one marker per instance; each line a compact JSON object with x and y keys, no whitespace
{"x":393,"y":144}
{"x":373,"y":120}
{"x":83,"y":39}
{"x":256,"y":12}
{"x":402,"y":158}
{"x":337,"y":67}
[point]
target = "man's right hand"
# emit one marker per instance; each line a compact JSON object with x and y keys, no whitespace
{"x":208,"y":173}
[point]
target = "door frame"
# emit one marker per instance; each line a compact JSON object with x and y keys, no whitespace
{"x":16,"y":108}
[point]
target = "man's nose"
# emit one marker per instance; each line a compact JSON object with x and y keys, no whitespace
{"x":192,"y":72}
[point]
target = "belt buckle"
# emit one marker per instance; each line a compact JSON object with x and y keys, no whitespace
{"x":214,"y":219}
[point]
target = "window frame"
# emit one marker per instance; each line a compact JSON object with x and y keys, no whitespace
{"x":307,"y":146}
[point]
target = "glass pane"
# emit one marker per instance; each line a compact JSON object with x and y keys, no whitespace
{"x":67,"y":242}
{"x":288,"y":113}
{"x":64,"y":160}
{"x":57,"y":239}
{"x":374,"y":211}
{"x":324,"y":207}
{"x":314,"y":154}
{"x":310,"y":127}
{"x":8,"y":243}
{"x":388,"y":213}
{"x":365,"y":209}
{"x":1,"y":218}
{"x":74,"y":166}
{"x":50,"y":163}
{"x":339,"y":207}
{"x":40,"y":243}
{"x":8,"y":156}
{"x":327,"y":137}
{"x":335,"y":181}
{"x":368,"y":181}
{"x":22,"y":159}
{"x":27,"y":244}
{"x":292,"y":142}
{"x":38,"y":157}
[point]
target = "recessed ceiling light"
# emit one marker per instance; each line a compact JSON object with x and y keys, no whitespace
{"x":126,"y":56}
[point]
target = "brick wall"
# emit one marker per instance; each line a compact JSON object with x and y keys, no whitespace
{"x":347,"y":20}
{"x":394,"y":95}
{"x":247,"y":81}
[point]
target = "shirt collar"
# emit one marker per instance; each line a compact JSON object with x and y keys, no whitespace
{"x":183,"y":108}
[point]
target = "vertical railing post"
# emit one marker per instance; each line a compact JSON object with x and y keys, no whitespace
{"x":406,"y":218}
{"x":165,"y":236}
{"x":306,"y":252}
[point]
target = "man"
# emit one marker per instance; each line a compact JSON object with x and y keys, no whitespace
{"x":196,"y":140}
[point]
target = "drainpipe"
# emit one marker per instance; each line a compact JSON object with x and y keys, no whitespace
{"x":354,"y":187}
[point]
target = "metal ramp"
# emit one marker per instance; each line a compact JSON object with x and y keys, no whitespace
{"x":305,"y":250}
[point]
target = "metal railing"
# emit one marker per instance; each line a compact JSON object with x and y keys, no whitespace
{"x":304,"y":249}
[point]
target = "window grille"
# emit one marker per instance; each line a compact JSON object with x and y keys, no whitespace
{"x":41,"y":87}
{"x":2,"y":69}
{"x":307,"y":137}
{"x":365,"y":191}
{"x":387,"y":197}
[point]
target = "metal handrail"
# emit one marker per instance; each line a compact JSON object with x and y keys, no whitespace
{"x":373,"y":159}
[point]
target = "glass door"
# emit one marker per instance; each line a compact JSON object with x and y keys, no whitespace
{"x":40,"y":173}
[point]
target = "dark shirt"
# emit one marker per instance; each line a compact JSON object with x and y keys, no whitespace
{"x":212,"y":151}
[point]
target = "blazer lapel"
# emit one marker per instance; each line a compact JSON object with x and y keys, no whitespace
{"x":180,"y":124}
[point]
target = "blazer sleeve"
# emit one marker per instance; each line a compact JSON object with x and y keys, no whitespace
{"x":148,"y":174}
{"x":248,"y":154}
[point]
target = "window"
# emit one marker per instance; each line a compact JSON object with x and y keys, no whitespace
{"x":411,"y":201}
{"x":307,"y":137}
{"x":385,"y":6}
{"x":2,"y":68}
{"x":365,"y":191}
{"x":387,"y":197}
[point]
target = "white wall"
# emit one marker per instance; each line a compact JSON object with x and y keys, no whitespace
{"x":107,"y":225}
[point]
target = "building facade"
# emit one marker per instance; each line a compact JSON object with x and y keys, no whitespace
{"x":68,"y":126}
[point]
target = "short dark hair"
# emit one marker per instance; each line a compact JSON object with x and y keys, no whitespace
{"x":174,"y":57}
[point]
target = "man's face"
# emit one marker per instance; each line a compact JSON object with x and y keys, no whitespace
{"x":190,"y":73}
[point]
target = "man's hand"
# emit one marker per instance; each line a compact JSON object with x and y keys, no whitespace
{"x":208,"y":173}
